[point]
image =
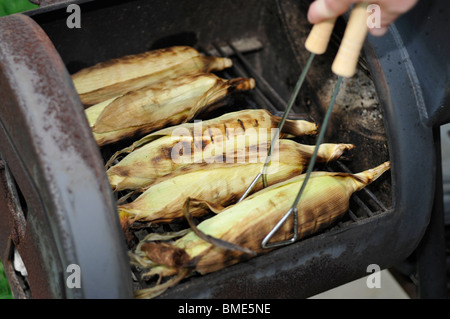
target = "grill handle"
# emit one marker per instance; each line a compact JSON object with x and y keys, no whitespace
{"x":346,"y":59}
{"x":319,"y":36}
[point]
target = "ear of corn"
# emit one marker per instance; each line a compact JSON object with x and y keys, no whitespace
{"x":183,"y":97}
{"x":151,"y":157}
{"x":165,"y":103}
{"x":196,"y":64}
{"x":325,"y":200}
{"x":128,"y":67}
{"x":222,"y":183}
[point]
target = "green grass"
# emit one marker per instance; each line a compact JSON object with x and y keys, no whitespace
{"x":14,"y":6}
{"x":5,"y":291}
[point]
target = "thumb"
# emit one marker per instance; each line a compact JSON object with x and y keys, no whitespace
{"x":321,"y":10}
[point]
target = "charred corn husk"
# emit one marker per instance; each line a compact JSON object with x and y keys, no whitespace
{"x":165,"y":103}
{"x":196,"y":64}
{"x":128,"y":67}
{"x":324,"y":201}
{"x":222,"y":183}
{"x":152,"y":156}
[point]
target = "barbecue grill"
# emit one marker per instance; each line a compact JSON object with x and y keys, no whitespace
{"x":57,"y":208}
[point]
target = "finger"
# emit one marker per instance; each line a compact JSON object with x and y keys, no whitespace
{"x":321,"y":10}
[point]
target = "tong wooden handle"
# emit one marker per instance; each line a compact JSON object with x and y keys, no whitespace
{"x":319,"y":36}
{"x":346,"y":59}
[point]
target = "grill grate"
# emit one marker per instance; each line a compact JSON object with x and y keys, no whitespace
{"x":363,"y":205}
{"x":267,"y":97}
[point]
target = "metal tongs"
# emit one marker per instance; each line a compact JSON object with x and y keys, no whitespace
{"x":344,"y":65}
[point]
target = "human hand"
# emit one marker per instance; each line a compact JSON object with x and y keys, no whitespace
{"x":321,"y":10}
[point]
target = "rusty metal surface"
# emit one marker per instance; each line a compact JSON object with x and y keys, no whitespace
{"x":11,"y":231}
{"x":39,"y":254}
{"x":49,"y":149}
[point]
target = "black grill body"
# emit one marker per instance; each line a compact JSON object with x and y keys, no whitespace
{"x":66,"y":212}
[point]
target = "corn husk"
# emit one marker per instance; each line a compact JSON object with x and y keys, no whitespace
{"x":152,"y":156}
{"x":128,"y":67}
{"x":324,"y":201}
{"x":196,"y":64}
{"x":163,"y":104}
{"x":222,"y":183}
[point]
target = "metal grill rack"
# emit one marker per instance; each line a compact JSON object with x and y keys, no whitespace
{"x":364,"y":204}
{"x":266,"y":96}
